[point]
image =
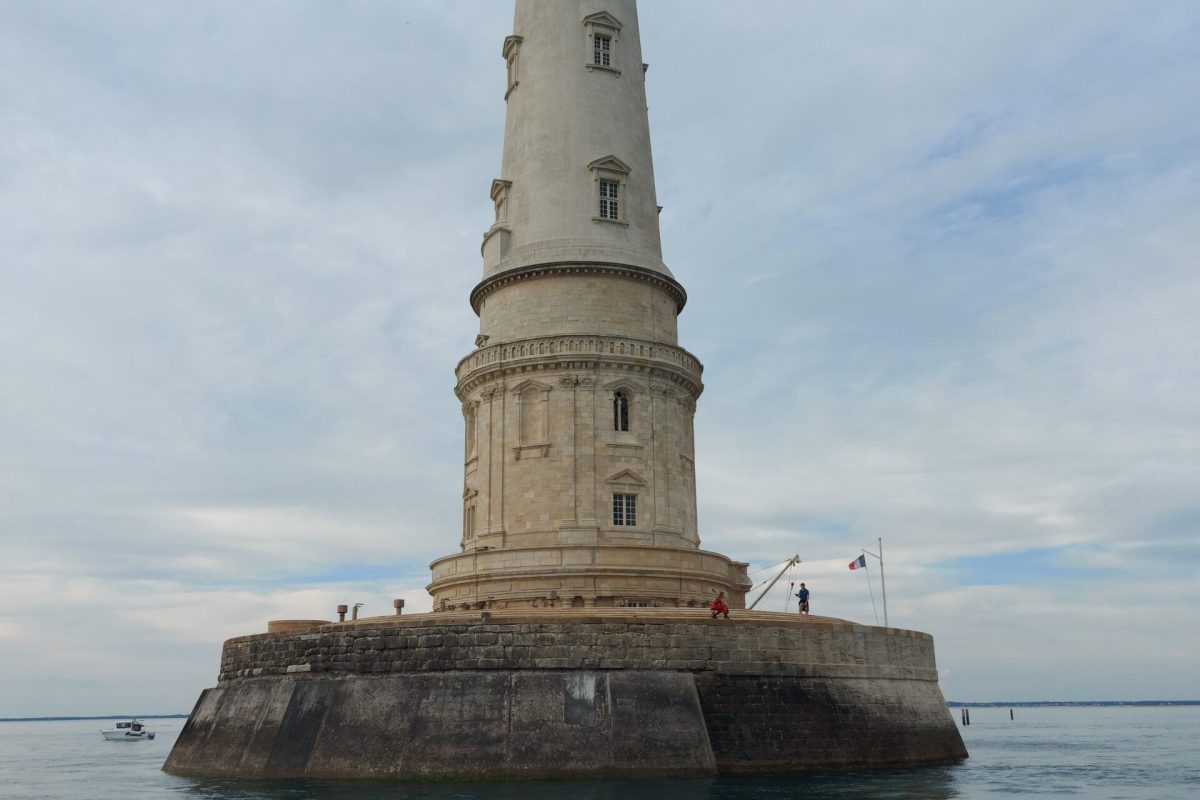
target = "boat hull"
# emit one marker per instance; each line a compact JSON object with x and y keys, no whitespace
{"x":126,"y":736}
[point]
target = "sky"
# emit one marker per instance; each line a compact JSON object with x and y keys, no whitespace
{"x":942,"y":271}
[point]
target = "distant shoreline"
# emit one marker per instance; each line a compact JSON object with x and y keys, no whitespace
{"x":1072,"y":703}
{"x":102,"y":716}
{"x":950,"y":704}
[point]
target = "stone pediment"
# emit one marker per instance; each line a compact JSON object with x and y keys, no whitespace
{"x":627,"y":477}
{"x":603,"y":18}
{"x":610,"y":163}
{"x":530,"y":384}
{"x":626,"y":384}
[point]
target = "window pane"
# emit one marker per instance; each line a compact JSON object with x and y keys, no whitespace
{"x":624,"y":509}
{"x":603,"y":48}
{"x":608,"y":199}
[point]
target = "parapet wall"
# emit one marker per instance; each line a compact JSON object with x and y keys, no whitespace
{"x":561,"y":695}
{"x":750,"y":644}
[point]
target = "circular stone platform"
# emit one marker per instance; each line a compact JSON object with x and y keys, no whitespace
{"x":569,"y":693}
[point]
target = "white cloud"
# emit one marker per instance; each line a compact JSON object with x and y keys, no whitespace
{"x":941,"y":267}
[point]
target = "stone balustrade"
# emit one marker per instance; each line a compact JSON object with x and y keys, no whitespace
{"x":616,"y":347}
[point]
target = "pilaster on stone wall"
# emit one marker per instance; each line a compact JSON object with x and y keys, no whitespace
{"x":588,"y":485}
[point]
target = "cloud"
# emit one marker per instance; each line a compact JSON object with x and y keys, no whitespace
{"x":941,"y":272}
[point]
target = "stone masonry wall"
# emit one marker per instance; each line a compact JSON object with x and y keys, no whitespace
{"x":528,"y":697}
{"x":785,"y":723}
{"x":817,"y":648}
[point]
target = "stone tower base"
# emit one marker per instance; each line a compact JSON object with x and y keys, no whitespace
{"x":565,"y":694}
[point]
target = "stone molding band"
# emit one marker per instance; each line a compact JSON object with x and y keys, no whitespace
{"x":480,"y":568}
{"x":581,"y":351}
{"x":442,"y":583}
{"x":558,"y":268}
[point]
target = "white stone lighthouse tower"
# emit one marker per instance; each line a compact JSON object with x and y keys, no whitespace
{"x":579,"y":479}
{"x":578,"y":493}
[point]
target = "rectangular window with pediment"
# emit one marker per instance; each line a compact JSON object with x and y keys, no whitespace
{"x":512,"y":55}
{"x":625,"y":509}
{"x":609,"y":175}
{"x":603,"y":32}
{"x":499,"y":196}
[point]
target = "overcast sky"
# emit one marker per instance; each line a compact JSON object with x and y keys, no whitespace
{"x":942,"y":268}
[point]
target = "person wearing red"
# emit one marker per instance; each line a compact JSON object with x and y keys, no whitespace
{"x":718,"y":606}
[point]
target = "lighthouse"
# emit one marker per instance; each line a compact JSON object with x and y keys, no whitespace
{"x":571,"y":635}
{"x":579,"y":474}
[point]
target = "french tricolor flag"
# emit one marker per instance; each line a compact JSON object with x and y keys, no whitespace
{"x":859,"y":563}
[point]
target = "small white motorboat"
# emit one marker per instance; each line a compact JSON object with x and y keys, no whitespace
{"x":131,"y":731}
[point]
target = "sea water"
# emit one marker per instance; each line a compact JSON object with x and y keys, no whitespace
{"x":1091,"y":752}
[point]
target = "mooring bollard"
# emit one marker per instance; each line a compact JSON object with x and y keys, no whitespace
{"x":398,"y":604}
{"x":342,"y":613}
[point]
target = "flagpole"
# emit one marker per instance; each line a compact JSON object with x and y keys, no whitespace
{"x":883,"y":583}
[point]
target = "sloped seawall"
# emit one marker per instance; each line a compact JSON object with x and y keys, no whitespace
{"x":569,"y":694}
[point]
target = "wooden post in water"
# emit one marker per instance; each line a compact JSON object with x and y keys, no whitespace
{"x":1010,"y":714}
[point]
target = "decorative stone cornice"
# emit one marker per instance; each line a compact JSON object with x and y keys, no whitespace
{"x":580,"y":346}
{"x":642,"y":274}
{"x":668,"y":365}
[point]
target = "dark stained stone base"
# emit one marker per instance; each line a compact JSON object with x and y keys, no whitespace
{"x":529,"y":698}
{"x":784,"y":724}
{"x":467,"y":725}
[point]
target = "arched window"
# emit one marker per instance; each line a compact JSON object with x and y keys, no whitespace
{"x":620,"y":411}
